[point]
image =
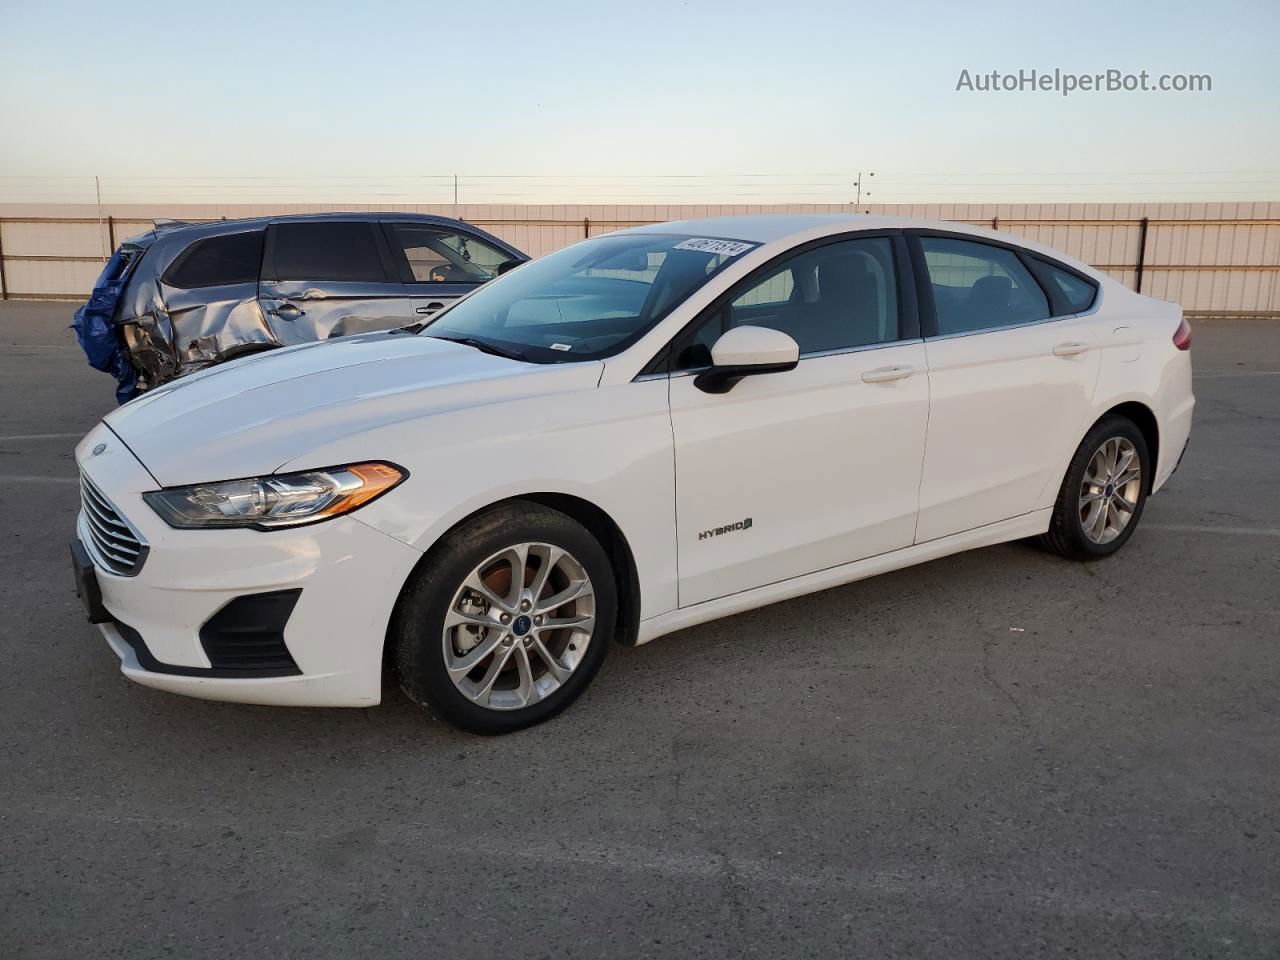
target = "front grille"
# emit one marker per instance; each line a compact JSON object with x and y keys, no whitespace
{"x":114,"y":544}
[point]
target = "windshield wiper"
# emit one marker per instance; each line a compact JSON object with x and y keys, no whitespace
{"x":483,"y":346}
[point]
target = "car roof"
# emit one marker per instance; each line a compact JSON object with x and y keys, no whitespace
{"x":770,"y":228}
{"x":166,"y":226}
{"x":185,"y":231}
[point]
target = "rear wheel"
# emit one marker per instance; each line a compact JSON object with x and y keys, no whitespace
{"x":507,"y":621}
{"x":1103,"y":493}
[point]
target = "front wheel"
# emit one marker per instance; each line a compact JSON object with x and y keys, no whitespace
{"x":507,"y":621}
{"x":1103,"y":493}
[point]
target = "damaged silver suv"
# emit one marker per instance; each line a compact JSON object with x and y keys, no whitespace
{"x":185,"y":296}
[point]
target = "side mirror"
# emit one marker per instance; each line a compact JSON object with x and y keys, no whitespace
{"x":506,"y":265}
{"x":744,"y":352}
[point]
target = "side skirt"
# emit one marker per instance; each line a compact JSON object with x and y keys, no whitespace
{"x":1016,"y":528}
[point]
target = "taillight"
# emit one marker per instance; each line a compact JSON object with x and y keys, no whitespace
{"x":1182,"y":337}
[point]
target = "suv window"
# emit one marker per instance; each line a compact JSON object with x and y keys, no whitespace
{"x":217,"y":261}
{"x":834,"y":297}
{"x":440,"y":255}
{"x":1077,"y":293}
{"x":977,"y":286}
{"x":343,"y":250}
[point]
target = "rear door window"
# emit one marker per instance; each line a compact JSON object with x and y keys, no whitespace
{"x":218,"y":261}
{"x":335,"y":250}
{"x":979,"y":286}
{"x":440,"y":255}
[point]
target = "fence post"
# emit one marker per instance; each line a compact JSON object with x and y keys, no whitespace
{"x":1142,"y":255}
{"x":111,"y":233}
{"x":4,"y":285}
{"x":586,"y":229}
{"x":995,"y":223}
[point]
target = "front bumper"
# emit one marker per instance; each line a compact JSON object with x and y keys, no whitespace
{"x":344,"y":577}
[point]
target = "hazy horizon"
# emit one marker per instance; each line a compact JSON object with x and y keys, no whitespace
{"x":665,"y":102}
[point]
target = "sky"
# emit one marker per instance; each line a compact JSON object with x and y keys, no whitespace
{"x":527,"y":101}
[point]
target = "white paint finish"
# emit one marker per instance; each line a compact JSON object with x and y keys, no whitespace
{"x":189,"y":575}
{"x":839,"y":465}
{"x":270,"y":408}
{"x":1015,"y":528}
{"x":1002,"y":407}
{"x":754,"y":346}
{"x":825,"y":465}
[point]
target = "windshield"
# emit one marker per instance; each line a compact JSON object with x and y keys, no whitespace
{"x":588,"y":301}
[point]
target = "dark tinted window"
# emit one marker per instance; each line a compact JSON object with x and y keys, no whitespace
{"x":438,"y":255}
{"x":977,"y":286}
{"x":835,"y":297}
{"x":1077,"y":292}
{"x":215,"y":261}
{"x":334,"y":250}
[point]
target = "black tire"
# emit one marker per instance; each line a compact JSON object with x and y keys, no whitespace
{"x":1066,"y":536}
{"x":418,"y":624}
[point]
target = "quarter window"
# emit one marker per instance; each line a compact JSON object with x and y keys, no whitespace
{"x":338,"y":250}
{"x":977,"y":286}
{"x":218,"y":261}
{"x":1077,"y":292}
{"x":438,"y":255}
{"x":834,"y":297}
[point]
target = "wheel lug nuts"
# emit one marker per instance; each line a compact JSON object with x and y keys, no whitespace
{"x":505,"y":618}
{"x":525,"y":605}
{"x":507,"y":641}
{"x":537,"y":621}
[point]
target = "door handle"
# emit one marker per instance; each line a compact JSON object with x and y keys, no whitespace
{"x":287,"y":309}
{"x":887,"y":374}
{"x":430,"y":308}
{"x":1070,"y":349}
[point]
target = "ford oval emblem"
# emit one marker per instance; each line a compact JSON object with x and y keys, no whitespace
{"x":99,"y":448}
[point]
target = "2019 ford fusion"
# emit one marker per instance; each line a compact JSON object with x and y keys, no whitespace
{"x":638,"y":433}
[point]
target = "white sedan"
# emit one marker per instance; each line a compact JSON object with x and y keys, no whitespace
{"x":641,"y":432}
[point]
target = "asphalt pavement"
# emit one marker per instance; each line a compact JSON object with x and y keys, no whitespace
{"x":998,"y":754}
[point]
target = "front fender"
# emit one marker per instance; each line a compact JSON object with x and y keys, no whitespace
{"x":611,"y":447}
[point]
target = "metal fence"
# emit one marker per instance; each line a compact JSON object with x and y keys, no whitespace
{"x":1215,"y":259}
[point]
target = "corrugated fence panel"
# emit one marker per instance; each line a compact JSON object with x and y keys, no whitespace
{"x":1222,"y":257}
{"x":38,"y":276}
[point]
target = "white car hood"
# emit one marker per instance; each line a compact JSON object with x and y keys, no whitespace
{"x":251,"y":416}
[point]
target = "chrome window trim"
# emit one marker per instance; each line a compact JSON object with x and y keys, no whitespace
{"x":1006,"y":326}
{"x":1097,"y":305}
{"x":804,"y":356}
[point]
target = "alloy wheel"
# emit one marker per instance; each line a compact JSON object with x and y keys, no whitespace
{"x":1110,"y":490}
{"x":518,"y":626}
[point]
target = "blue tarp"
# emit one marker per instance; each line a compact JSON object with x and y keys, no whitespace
{"x":98,"y":334}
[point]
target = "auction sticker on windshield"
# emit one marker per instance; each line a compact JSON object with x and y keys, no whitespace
{"x":727,"y":248}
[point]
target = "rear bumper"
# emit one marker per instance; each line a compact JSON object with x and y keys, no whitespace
{"x":1176,"y":437}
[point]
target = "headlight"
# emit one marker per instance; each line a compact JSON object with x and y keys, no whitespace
{"x":280,"y":500}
